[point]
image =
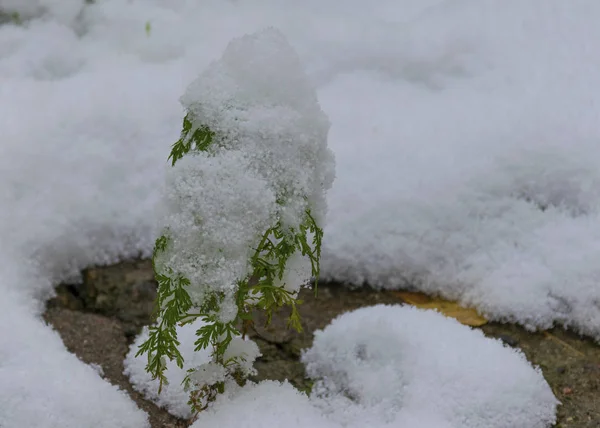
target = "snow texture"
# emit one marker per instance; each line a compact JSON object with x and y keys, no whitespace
{"x":264,"y":405}
{"x":217,"y":209}
{"x":465,"y":134}
{"x":390,"y":366}
{"x":399,"y":366}
{"x":43,"y":385}
{"x":245,"y":353}
{"x":269,"y":144}
{"x":172,"y":397}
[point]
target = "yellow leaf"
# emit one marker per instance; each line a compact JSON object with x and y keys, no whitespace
{"x":466,"y":316}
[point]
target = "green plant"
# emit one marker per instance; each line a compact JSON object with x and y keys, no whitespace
{"x":10,"y":17}
{"x":258,"y":290}
{"x":16,"y":18}
{"x":218,"y":277}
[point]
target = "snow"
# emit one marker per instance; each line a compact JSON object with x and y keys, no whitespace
{"x":269,"y":143}
{"x":201,"y":234}
{"x":392,"y":365}
{"x":264,"y":405}
{"x":384,"y":366}
{"x":465,"y":134}
{"x":43,"y":385}
{"x":245,"y":353}
{"x":172,"y":397}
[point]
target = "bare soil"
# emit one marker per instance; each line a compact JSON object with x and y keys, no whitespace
{"x":99,"y":319}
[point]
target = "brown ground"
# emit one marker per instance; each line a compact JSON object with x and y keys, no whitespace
{"x":98,"y":320}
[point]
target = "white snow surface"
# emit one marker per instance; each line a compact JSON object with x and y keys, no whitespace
{"x":398,"y":366}
{"x":465,"y":134}
{"x":385,"y":366}
{"x":264,"y":405}
{"x":43,"y":385}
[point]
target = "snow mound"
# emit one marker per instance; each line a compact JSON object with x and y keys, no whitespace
{"x":41,"y":383}
{"x":470,"y":168}
{"x":264,"y":405}
{"x":381,"y":366}
{"x":393,"y":365}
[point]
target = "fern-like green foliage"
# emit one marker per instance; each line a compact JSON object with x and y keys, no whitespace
{"x":259,"y":290}
{"x":10,"y":17}
{"x":198,"y":139}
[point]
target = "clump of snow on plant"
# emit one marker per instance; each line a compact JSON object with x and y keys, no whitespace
{"x":297,"y":272}
{"x":209,"y":374}
{"x":243,"y":353}
{"x":268,"y":162}
{"x":388,"y":365}
{"x":173,"y":397}
{"x":259,"y":100}
{"x":216,"y":210}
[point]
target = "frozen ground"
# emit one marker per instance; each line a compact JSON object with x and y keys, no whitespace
{"x":465,"y":134}
{"x":373,"y":370}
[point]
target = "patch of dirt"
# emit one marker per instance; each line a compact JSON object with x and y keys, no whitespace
{"x":99,"y":319}
{"x":571,"y":366}
{"x":102,"y":341}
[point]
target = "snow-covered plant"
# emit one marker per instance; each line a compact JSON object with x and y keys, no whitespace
{"x":244,"y":206}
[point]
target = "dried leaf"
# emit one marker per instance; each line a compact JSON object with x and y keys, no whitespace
{"x":563,"y":343}
{"x":567,"y":390}
{"x":466,"y":316}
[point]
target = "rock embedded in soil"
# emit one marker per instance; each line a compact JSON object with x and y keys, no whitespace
{"x":126,"y":291}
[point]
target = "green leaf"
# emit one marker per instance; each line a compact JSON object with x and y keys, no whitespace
{"x":196,"y":139}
